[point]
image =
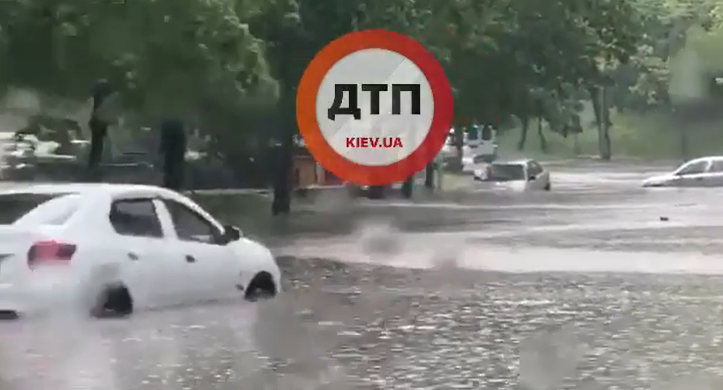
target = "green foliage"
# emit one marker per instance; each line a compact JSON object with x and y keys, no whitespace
{"x":163,"y":55}
{"x":667,"y":26}
{"x":234,"y":64}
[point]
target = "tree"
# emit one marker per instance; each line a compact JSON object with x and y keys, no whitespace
{"x":516,"y":58}
{"x":171,"y":57}
{"x":219,"y":64}
{"x":647,"y":82}
{"x":294,"y":33}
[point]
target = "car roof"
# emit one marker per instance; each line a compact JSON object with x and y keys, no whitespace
{"x":115,"y":191}
{"x":84,"y":188}
{"x":701,"y":159}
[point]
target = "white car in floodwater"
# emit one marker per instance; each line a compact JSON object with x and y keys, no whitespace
{"x":523,"y":175}
{"x":112,"y":249}
{"x":700,"y":172}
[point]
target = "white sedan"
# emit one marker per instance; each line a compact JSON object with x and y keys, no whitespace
{"x":521,"y":175}
{"x":700,"y":172}
{"x":112,"y":249}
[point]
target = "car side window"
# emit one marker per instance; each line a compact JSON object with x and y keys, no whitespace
{"x":534,"y":169}
{"x":189,"y":225}
{"x":716,"y":166}
{"x":135,"y":217}
{"x":694,"y":168}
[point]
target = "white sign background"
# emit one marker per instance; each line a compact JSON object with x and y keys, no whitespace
{"x":375,"y":66}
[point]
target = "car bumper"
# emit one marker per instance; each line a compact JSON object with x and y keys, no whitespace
{"x":40,"y":296}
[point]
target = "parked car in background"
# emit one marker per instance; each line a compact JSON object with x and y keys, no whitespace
{"x":699,"y":172}
{"x":520,"y":175}
{"x":46,"y":149}
{"x":479,"y":144}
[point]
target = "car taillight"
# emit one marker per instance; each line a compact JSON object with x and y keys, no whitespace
{"x":49,"y":252}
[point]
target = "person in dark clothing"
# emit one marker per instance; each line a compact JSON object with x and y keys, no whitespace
{"x":173,"y":150}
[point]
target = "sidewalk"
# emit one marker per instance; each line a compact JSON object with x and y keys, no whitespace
{"x":450,"y":182}
{"x":259,"y":191}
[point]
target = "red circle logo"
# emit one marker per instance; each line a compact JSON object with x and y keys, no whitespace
{"x":374,"y":107}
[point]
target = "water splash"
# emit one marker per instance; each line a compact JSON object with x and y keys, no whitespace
{"x":379,"y":238}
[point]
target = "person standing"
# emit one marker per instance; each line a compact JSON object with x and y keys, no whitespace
{"x":173,"y":150}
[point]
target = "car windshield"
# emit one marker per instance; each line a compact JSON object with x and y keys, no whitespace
{"x":691,"y":168}
{"x":15,"y":206}
{"x":505,"y":172}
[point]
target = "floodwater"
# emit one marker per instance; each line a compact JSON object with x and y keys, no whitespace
{"x":599,"y":284}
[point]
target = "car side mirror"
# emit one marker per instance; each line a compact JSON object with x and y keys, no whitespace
{"x":231,"y":233}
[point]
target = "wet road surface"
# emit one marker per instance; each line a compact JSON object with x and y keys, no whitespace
{"x":584,"y":287}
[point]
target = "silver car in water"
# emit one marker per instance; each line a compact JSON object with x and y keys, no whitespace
{"x":523,"y":175}
{"x":699,"y":172}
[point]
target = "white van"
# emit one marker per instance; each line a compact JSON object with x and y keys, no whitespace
{"x":479,"y":145}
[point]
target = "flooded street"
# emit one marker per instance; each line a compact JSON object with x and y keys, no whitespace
{"x":599,"y":284}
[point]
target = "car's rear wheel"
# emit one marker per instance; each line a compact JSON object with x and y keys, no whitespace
{"x":113,"y":302}
{"x":262,"y":287}
{"x":548,"y":186}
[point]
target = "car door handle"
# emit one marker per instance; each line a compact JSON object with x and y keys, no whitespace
{"x":132,"y":256}
{"x":190,"y":259}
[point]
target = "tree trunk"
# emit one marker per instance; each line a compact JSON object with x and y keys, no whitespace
{"x":173,"y":148}
{"x":98,"y":130}
{"x":523,"y":134}
{"x":284,"y":153}
{"x":459,"y":140}
{"x":576,"y":144}
{"x":602,"y":119}
{"x":429,"y":176}
{"x":407,"y":187}
{"x":683,"y":137}
{"x":683,"y":143}
{"x":605,"y":146}
{"x":282,"y":176}
{"x":543,"y":141}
